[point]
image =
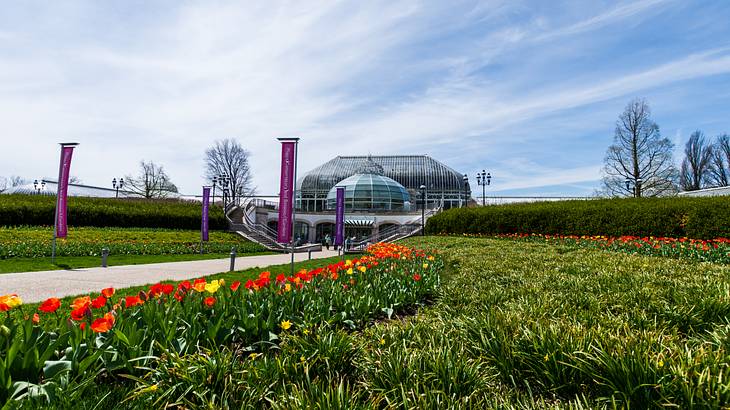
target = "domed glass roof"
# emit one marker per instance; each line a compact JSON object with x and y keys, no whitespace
{"x":371,"y":192}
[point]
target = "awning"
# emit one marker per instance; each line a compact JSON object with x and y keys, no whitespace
{"x":359,"y":222}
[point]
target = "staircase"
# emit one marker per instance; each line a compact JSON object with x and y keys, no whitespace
{"x":392,"y":234}
{"x":242,"y":220}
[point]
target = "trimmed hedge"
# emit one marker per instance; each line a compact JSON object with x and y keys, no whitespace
{"x":701,"y":218}
{"x":20,"y":210}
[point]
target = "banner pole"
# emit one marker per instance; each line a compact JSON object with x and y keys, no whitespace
{"x":294,"y":203}
{"x":58,"y":199}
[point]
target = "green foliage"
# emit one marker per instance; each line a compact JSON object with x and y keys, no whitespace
{"x":702,"y":218}
{"x":174,"y":346}
{"x":19,"y":210}
{"x":514,"y":325}
{"x":33,"y":242}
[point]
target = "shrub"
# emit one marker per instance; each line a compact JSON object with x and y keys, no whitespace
{"x":18,"y":210}
{"x":703,"y":218}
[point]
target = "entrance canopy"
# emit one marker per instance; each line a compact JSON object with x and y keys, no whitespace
{"x":360,"y":222}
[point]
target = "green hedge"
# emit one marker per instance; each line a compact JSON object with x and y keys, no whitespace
{"x":20,"y":210}
{"x":702,"y":218}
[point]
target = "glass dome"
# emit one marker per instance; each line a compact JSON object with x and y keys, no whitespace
{"x":371,"y":192}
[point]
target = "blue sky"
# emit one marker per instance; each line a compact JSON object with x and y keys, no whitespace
{"x":528,"y":90}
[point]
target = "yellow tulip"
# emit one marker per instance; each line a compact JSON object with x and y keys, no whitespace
{"x":349,"y":271}
{"x":12,"y":301}
{"x":212,"y":287}
{"x":362,"y":269}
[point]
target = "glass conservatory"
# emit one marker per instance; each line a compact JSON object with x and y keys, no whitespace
{"x":445,"y":188}
{"x":371,"y":192}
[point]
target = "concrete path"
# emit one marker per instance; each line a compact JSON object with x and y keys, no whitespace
{"x":39,"y":286}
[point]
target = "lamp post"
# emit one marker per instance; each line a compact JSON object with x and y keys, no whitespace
{"x":423,"y":209}
{"x":634,"y":186}
{"x":215,"y":181}
{"x":223,"y":179}
{"x":42,"y":186}
{"x":466,"y":183}
{"x":117,"y":185}
{"x":483,"y":179}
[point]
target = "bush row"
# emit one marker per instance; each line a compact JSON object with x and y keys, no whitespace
{"x":702,"y":218}
{"x":19,"y":210}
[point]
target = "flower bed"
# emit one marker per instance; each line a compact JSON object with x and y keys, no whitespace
{"x":713,"y":250}
{"x":107,"y":336}
{"x":34,"y":242}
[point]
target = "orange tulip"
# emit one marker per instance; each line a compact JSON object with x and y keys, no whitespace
{"x":102,"y":325}
{"x":107,"y":292}
{"x":81,"y":302}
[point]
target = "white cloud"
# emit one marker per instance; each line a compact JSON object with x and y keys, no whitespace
{"x":346,"y":77}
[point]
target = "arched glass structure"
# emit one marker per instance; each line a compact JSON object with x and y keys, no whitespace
{"x":370,"y":192}
{"x":444,"y":186}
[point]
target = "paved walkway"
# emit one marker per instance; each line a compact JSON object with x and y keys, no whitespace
{"x":38,"y":286}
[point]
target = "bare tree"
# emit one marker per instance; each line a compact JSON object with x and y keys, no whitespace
{"x":697,"y":163}
{"x":639,"y":155}
{"x":230,"y":158}
{"x":16,"y":180}
{"x":3,"y":184}
{"x":152,"y":182}
{"x":720,"y":172}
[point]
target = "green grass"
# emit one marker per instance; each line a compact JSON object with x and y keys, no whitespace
{"x":515,"y":325}
{"x":75,"y":262}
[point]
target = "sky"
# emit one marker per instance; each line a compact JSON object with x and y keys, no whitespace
{"x":528,"y":90}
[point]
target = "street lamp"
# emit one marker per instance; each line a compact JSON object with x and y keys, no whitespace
{"x":215,"y":181}
{"x":42,"y":186}
{"x":223,"y":180}
{"x":483,"y":179}
{"x":466,"y":192}
{"x":423,"y":209}
{"x":117,"y":185}
{"x":634,"y":186}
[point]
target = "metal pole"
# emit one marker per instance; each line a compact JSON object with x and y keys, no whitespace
{"x":104,"y":256}
{"x":423,"y":212}
{"x":294,"y":204}
{"x":233,"y":259}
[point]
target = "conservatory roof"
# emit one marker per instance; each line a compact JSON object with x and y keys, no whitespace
{"x":411,"y":171}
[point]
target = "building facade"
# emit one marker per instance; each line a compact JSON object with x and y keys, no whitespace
{"x":381,"y":193}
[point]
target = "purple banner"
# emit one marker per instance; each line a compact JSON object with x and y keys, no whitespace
{"x":62,"y":192}
{"x":204,"y":220}
{"x":286,"y":191}
{"x":340,"y":217}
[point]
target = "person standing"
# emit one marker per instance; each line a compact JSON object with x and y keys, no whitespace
{"x":327,"y":241}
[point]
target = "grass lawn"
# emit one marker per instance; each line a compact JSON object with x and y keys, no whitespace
{"x":73,"y":262}
{"x":25,"y":249}
{"x":515,"y":325}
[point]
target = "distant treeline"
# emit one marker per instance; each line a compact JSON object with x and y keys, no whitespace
{"x":701,"y":218}
{"x":20,"y":210}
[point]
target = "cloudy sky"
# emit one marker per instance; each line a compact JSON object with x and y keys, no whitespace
{"x":529,"y":90}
